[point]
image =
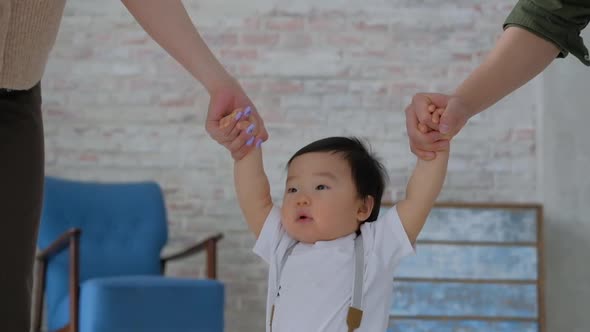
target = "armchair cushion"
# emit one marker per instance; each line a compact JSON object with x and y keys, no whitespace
{"x":160,"y":304}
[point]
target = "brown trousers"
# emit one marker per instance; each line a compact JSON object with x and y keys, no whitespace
{"x":21,"y":191}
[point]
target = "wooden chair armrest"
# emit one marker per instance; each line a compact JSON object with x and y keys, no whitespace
{"x":209,"y":244}
{"x":71,"y":238}
{"x":59,"y":244}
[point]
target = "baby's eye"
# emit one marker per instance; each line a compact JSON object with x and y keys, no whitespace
{"x":321,"y":187}
{"x":291,"y":190}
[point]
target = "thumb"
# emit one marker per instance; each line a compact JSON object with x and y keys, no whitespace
{"x":450,"y":124}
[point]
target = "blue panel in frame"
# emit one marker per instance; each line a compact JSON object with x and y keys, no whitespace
{"x":470,"y":262}
{"x":415,"y":325}
{"x":462,"y":299}
{"x":481,"y":225}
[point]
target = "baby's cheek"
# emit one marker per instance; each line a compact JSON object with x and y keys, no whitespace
{"x":327,"y":225}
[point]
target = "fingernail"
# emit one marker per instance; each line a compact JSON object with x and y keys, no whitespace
{"x":250,"y":129}
{"x":248,"y":111}
{"x":259,"y":143}
{"x":443,"y":128}
{"x":250,"y":141}
{"x":239,"y":115}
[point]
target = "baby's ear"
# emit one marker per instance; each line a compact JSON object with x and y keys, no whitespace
{"x":365,"y":209}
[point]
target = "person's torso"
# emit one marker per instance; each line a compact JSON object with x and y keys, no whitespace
{"x":28,"y":29}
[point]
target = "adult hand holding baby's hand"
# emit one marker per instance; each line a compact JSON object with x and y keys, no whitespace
{"x":243,"y":127}
{"x":432,"y":119}
{"x":229,"y":98}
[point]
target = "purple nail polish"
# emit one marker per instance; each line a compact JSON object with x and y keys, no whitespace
{"x":250,"y":129}
{"x":248,"y":111}
{"x":259,"y":143}
{"x":239,"y":115}
{"x":250,"y":141}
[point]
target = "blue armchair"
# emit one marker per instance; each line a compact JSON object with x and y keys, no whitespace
{"x":100,"y":269}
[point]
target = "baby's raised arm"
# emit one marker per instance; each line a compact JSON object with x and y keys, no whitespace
{"x":423,"y":188}
{"x":251,"y":182}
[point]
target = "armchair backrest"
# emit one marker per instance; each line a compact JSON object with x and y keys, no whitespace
{"x":123,"y":229}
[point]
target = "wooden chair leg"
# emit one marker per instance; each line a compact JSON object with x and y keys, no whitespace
{"x":38,"y":305}
{"x":211,"y":259}
{"x":74,"y":283}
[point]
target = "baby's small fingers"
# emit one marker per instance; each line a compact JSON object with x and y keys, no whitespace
{"x":422,"y":128}
{"x":228,"y":122}
{"x":437,"y":114}
{"x":435,"y":117}
{"x":422,"y":154}
{"x":240,"y":141}
{"x":431,"y":108}
{"x":228,"y":119}
{"x":441,"y":145}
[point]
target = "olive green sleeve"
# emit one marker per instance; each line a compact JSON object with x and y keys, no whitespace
{"x":558,"y":21}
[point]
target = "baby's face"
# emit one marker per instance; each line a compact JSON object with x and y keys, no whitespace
{"x":320,"y":201}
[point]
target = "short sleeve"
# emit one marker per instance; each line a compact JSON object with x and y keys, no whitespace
{"x":387,"y":238}
{"x":558,"y":21}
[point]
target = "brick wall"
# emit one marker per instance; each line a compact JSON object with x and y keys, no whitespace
{"x":118,"y":108}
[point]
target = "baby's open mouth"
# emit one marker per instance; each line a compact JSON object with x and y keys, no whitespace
{"x":304,"y":218}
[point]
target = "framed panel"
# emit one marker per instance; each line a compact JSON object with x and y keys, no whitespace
{"x":477,"y":268}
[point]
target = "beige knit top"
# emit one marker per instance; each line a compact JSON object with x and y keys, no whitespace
{"x":28,"y":29}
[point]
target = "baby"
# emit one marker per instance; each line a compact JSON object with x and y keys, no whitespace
{"x":332,"y":252}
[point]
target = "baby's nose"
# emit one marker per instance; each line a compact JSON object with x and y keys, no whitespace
{"x":302,"y":200}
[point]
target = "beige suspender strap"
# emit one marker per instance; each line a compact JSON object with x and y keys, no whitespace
{"x":355,"y":314}
{"x":272,"y":316}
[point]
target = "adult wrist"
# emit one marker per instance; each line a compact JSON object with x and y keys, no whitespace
{"x":462,"y":101}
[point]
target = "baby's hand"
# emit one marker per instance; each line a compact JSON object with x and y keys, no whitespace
{"x":245,"y":125}
{"x":436,"y":114}
{"x":226,"y":120}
